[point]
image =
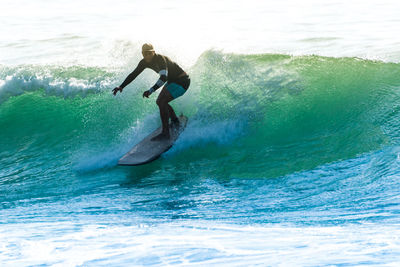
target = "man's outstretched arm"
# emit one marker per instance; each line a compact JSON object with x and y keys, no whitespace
{"x":130,"y":78}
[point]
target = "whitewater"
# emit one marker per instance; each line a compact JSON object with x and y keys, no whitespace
{"x":291,"y":156}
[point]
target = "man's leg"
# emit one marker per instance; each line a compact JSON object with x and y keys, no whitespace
{"x":172,"y":114}
{"x":176,"y":91}
{"x":162,"y":101}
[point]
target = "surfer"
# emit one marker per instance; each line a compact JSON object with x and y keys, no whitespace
{"x":177,"y":82}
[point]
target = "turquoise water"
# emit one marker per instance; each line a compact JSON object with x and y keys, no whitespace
{"x":290,"y":156}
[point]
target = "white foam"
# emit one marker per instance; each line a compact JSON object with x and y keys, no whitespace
{"x":198,"y":243}
{"x":198,"y":133}
{"x":17,"y":84}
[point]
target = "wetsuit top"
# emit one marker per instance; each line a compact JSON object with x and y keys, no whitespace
{"x":168,"y":70}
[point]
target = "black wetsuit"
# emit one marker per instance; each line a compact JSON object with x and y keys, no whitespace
{"x":169,"y":72}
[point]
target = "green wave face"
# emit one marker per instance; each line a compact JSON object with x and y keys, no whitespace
{"x":249,"y":115}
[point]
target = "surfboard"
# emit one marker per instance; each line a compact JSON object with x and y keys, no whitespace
{"x":146,"y":150}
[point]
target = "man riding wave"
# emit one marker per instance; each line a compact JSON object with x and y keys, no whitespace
{"x":177,"y":82}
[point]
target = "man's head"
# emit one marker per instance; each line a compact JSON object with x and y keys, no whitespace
{"x":148,"y":52}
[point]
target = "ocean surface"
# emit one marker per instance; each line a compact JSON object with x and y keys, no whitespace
{"x":291,"y":156}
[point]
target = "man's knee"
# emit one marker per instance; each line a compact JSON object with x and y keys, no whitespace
{"x":160,"y":102}
{"x":163,"y":98}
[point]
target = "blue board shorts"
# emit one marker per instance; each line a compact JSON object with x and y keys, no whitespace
{"x":175,"y":90}
{"x":178,"y":87}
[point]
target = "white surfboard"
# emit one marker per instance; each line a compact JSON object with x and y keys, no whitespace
{"x":147,"y":150}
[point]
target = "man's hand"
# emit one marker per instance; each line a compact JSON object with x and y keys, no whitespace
{"x":116,"y":89}
{"x":146,"y":94}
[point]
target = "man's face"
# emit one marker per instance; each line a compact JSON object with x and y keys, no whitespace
{"x":148,"y":55}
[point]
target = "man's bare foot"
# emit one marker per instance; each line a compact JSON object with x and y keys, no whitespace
{"x":160,"y":137}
